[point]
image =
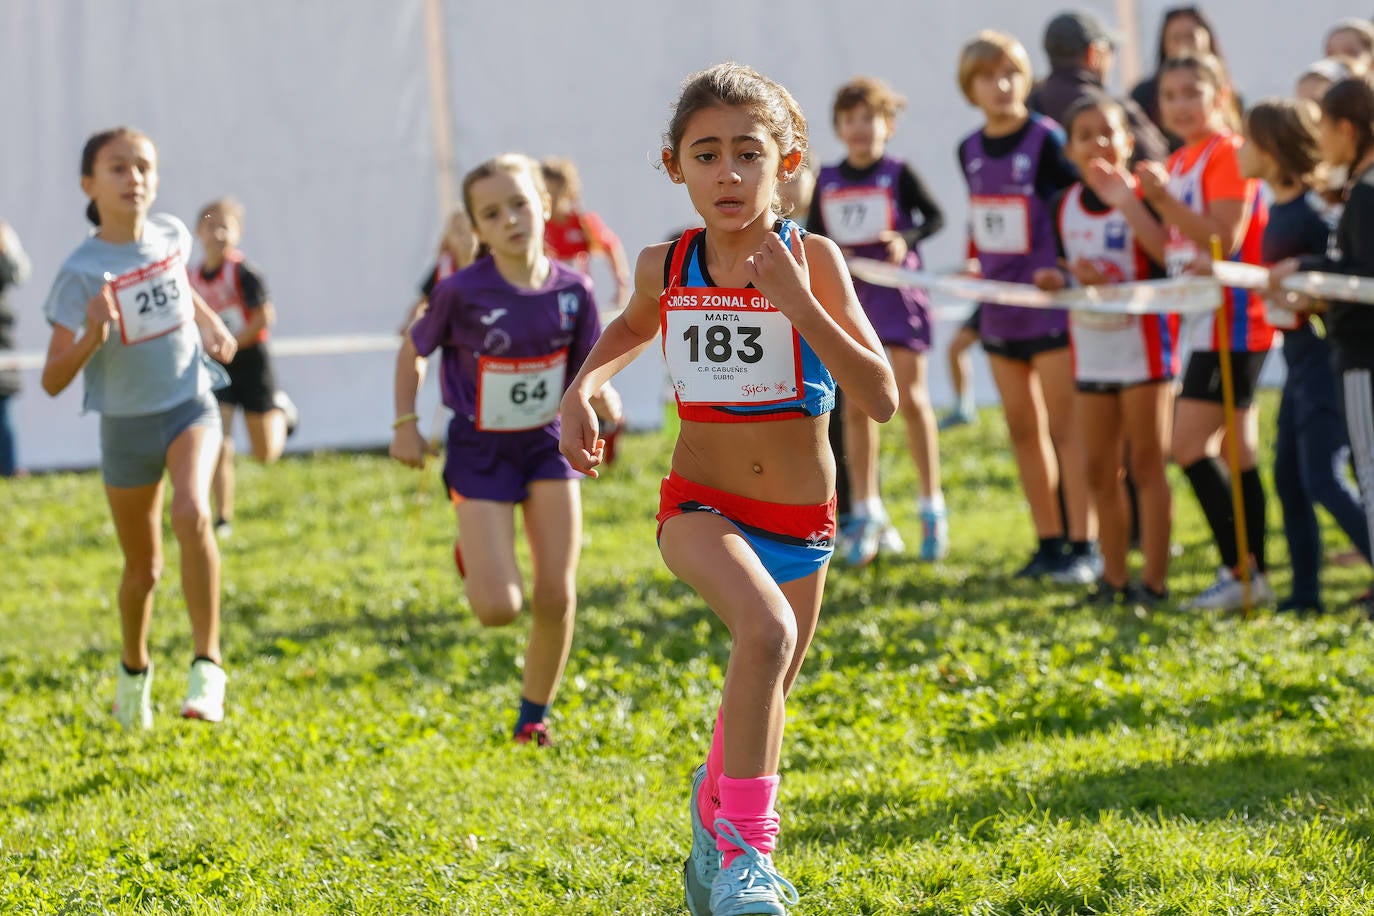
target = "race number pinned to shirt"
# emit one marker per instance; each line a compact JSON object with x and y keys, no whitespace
{"x":1179,"y":253}
{"x":1001,"y":223}
{"x":153,"y":300}
{"x":233,"y":319}
{"x":521,"y":393}
{"x":857,"y":216}
{"x":729,"y":347}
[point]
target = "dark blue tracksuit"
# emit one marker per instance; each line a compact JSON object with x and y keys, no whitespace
{"x":1311,"y":457}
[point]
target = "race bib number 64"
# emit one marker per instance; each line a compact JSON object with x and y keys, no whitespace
{"x":153,"y":300}
{"x":518,"y":394}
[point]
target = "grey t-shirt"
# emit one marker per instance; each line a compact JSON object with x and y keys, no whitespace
{"x":150,"y":375}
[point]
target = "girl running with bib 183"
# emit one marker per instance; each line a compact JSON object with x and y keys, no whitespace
{"x":124,"y":315}
{"x":755,"y":319}
{"x":513,"y":327}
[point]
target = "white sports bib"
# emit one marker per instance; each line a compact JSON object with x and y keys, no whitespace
{"x":153,"y":300}
{"x":519,"y":394}
{"x":729,"y":347}
{"x":857,"y":216}
{"x":1001,"y":223}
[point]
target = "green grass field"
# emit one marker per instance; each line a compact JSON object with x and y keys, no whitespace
{"x":959,"y":743}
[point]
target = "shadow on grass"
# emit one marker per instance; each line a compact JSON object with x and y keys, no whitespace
{"x":1252,"y":785}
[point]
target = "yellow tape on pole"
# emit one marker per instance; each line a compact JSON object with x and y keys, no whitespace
{"x":1228,"y":406}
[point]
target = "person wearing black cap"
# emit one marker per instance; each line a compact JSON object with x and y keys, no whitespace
{"x":1080,"y":49}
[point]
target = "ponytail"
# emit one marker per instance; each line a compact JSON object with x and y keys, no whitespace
{"x":92,"y":149}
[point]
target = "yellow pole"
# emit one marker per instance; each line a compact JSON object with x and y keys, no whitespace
{"x":1228,"y":405}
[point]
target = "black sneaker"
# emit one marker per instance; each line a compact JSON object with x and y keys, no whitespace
{"x":1302,"y":607}
{"x":1041,"y":564}
{"x":1138,"y":594}
{"x":1103,"y":595}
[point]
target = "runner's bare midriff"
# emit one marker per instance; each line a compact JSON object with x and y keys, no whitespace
{"x":784,"y":461}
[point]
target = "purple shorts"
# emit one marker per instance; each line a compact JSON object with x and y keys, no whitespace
{"x":500,"y":466}
{"x":900,"y":316}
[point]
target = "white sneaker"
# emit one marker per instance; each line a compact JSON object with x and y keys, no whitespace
{"x":1227,"y":593}
{"x":205,"y":695}
{"x":133,"y":707}
{"x":890,"y":541}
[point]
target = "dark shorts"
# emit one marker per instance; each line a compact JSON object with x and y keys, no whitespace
{"x":974,"y":320}
{"x":500,"y":466}
{"x":133,"y":450}
{"x":901,"y":317}
{"x":252,"y":384}
{"x":1202,"y":376}
{"x":1117,"y":387}
{"x":792,"y":542}
{"x":1024,"y":351}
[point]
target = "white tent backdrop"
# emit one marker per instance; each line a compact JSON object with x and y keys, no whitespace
{"x":316,"y":114}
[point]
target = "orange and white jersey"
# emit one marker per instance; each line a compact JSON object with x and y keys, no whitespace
{"x":1199,"y":175}
{"x":1113,"y":349}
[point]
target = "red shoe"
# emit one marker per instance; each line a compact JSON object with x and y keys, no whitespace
{"x":458,"y":560}
{"x":536,"y":733}
{"x":608,"y":450}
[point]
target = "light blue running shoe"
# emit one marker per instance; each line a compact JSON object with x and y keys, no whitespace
{"x":865,"y":538}
{"x":750,"y":884}
{"x":934,"y":534}
{"x":703,"y":863}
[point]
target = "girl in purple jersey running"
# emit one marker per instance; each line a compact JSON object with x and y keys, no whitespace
{"x":513,"y":328}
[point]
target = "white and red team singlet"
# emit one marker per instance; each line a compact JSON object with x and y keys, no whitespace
{"x":1114,"y":349}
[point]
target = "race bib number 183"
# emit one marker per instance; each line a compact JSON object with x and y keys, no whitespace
{"x":729,"y":347}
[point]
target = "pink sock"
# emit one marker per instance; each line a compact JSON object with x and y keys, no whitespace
{"x":708,"y":799}
{"x":748,"y":805}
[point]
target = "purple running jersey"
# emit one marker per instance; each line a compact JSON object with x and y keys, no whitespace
{"x":508,"y":353}
{"x":854,"y":213}
{"x":1012,"y":229}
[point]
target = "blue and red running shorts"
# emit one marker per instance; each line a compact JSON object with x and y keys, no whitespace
{"x":792,"y":542}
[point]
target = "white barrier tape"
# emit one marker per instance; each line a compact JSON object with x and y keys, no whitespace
{"x":1338,"y":287}
{"x":283,"y":346}
{"x":1183,"y":294}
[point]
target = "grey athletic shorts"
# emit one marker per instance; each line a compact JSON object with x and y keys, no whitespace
{"x":133,"y":450}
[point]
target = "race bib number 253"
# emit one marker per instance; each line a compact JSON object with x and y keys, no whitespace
{"x":153,"y":300}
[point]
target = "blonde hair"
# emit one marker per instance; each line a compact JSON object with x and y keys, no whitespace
{"x":559,"y":168}
{"x":511,"y":164}
{"x":229,"y":206}
{"x":987,"y":49}
{"x":866,"y":90}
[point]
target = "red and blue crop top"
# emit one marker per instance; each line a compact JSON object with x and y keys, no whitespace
{"x":732,"y":356}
